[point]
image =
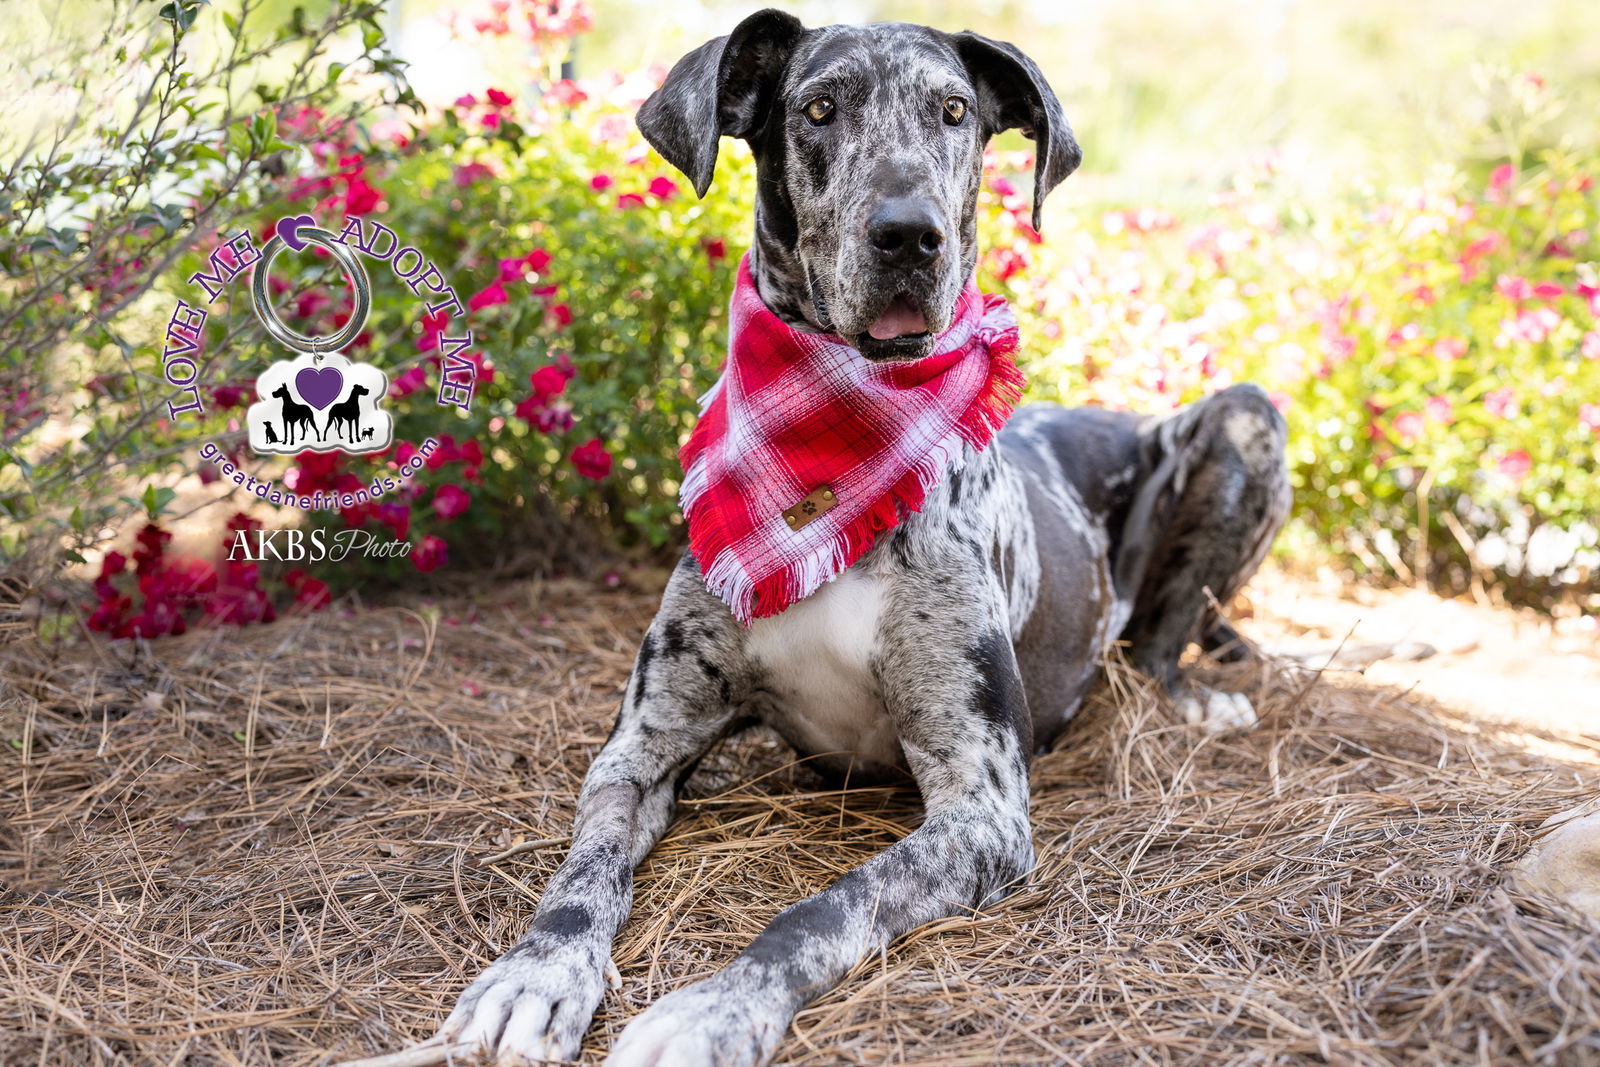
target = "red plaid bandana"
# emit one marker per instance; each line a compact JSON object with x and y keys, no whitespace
{"x":806,"y":451}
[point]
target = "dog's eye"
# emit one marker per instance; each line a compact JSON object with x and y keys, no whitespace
{"x":820,"y":111}
{"x":955,"y":109}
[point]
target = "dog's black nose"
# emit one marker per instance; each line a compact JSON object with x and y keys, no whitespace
{"x":906,"y":232}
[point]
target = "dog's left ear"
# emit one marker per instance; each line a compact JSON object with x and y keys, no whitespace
{"x":724,"y":87}
{"x":1013,"y":95}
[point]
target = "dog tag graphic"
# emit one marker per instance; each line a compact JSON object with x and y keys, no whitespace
{"x":320,"y":400}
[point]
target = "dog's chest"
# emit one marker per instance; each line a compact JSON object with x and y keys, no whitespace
{"x":815,"y":662}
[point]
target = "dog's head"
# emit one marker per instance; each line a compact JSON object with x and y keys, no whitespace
{"x":868,"y":143}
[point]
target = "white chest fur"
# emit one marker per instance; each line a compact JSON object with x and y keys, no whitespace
{"x":816,"y":660}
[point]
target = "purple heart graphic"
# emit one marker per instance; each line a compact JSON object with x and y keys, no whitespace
{"x":288,"y":231}
{"x":319,"y":387}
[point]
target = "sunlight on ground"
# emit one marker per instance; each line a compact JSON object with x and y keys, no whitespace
{"x":1489,"y":665}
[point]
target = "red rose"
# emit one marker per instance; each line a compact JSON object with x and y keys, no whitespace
{"x":431,"y":554}
{"x":450,"y":501}
{"x":494,"y":295}
{"x":592,"y":460}
{"x":547,"y":382}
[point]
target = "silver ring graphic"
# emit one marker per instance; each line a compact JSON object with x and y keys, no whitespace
{"x":352,"y":266}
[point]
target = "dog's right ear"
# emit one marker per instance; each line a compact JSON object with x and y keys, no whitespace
{"x":722,"y":88}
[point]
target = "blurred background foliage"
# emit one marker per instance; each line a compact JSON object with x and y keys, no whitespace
{"x":1385,"y":213}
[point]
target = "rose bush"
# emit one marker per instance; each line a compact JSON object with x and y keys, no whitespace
{"x":595,"y":289}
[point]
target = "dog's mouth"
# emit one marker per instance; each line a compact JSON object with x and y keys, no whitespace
{"x":900,"y":332}
{"x":902,"y":318}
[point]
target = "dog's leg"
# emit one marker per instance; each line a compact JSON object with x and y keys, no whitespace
{"x":1200,"y":525}
{"x":953,"y":688}
{"x":536,"y":1001}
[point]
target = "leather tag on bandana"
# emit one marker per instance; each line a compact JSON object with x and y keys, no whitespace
{"x":816,"y":503}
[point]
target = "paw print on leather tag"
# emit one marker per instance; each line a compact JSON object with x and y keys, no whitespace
{"x":816,"y":503}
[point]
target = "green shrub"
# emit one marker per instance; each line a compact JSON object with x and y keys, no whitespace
{"x":1437,"y":354}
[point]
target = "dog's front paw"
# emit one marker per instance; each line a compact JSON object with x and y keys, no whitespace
{"x":1217,"y":712}
{"x":702,"y":1025}
{"x":533,"y":1004}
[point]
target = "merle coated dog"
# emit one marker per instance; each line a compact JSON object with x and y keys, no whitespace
{"x":963,"y":641}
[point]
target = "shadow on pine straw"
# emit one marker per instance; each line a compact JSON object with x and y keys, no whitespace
{"x":265,"y":845}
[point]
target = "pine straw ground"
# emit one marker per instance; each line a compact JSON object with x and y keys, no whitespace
{"x":267,"y":846}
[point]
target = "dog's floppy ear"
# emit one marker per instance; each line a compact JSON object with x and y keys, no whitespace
{"x":1014,"y":95}
{"x":724,"y":87}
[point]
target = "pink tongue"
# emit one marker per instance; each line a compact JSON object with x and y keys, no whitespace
{"x":898,"y":319}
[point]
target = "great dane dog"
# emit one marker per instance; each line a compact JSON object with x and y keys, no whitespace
{"x":965,"y":639}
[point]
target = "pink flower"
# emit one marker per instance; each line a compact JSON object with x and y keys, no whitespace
{"x":450,"y":500}
{"x":498,"y":98}
{"x":483,"y":367}
{"x":470,"y":173}
{"x":529,"y":408}
{"x":408,"y":382}
{"x":447,"y":452}
{"x":1409,"y":332}
{"x":716,"y":250}
{"x":592,"y":460}
{"x":1513,"y":287}
{"x":395,"y":516}
{"x":490,"y":297}
{"x":627,"y":200}
{"x":491,"y":121}
{"x":601,"y":182}
{"x":513,"y":268}
{"x":1548,"y":291}
{"x":1483,"y":246}
{"x":1439,"y":409}
{"x":663,"y":188}
{"x":471,"y":460}
{"x":557,"y":418}
{"x":534,"y":262}
{"x":1515,"y":465}
{"x":1501,"y":403}
{"x":1591,"y":345}
{"x":360,"y":197}
{"x":1500,"y":178}
{"x":431,"y":554}
{"x":1408,"y":426}
{"x":565,"y":93}
{"x":1450,"y":347}
{"x":1589,"y":417}
{"x":466,"y":101}
{"x":1534,"y":326}
{"x":562,"y":314}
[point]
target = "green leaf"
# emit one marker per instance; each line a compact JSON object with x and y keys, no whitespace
{"x":155,"y":500}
